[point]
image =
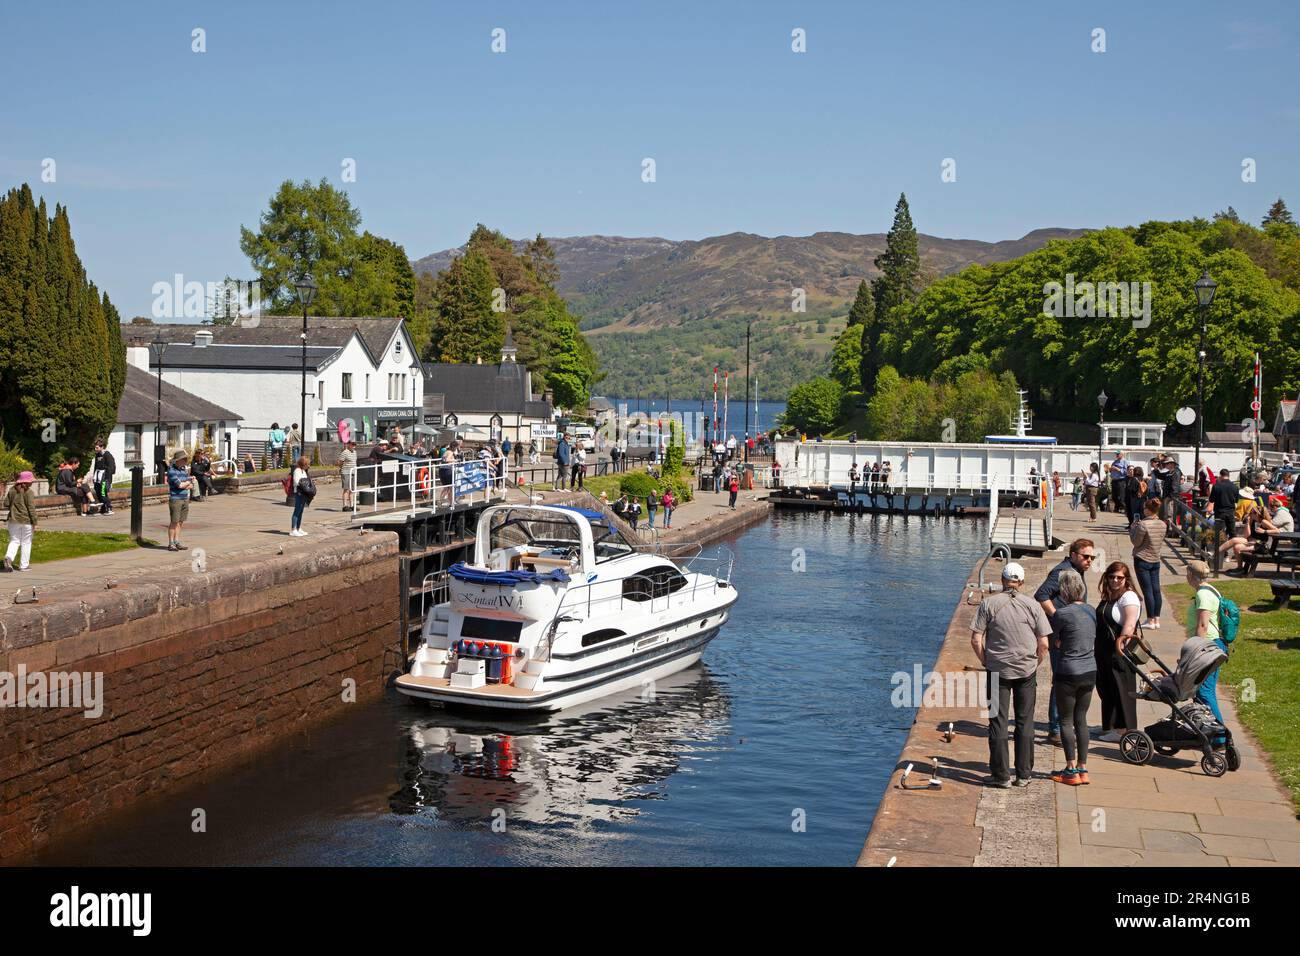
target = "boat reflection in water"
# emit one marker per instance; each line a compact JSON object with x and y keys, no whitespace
{"x":594,"y":762}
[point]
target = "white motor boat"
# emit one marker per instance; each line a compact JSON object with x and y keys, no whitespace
{"x":559,"y":608}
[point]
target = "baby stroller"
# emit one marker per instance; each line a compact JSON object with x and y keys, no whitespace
{"x":1189,"y":725}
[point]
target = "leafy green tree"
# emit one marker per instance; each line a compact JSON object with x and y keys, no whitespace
{"x":814,"y":406}
{"x":465,"y":328}
{"x":846,"y":358}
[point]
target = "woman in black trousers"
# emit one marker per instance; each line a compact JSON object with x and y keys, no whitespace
{"x":1117,"y":620}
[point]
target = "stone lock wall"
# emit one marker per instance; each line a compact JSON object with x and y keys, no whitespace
{"x":198,"y":671}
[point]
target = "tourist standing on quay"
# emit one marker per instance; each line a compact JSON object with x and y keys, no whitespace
{"x":1074,"y":672}
{"x":1118,"y":481}
{"x":276,"y":440}
{"x":563,"y":461}
{"x":1223,"y":504}
{"x":1079,"y":559}
{"x":1009,"y":636}
{"x":348,"y":473}
{"x":101,"y":471}
{"x":1091,"y":488}
{"x":578,"y":480}
{"x":304,"y":490}
{"x":294,"y":441}
{"x":179,"y":484}
{"x":21,"y":505}
{"x":853,"y":479}
{"x":1117,"y":621}
{"x":1076,"y":492}
{"x":651,"y":507}
{"x":1148,"y":537}
{"x":669,"y":502}
{"x":1135,"y":492}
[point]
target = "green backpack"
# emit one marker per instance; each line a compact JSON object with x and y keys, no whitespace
{"x":1229,"y":616}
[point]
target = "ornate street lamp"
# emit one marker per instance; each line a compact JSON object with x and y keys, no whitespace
{"x":158,"y":348}
{"x":305,"y":286}
{"x":1102,"y":399}
{"x":1205,"y":288}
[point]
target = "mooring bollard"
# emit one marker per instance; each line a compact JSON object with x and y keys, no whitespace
{"x":137,"y":502}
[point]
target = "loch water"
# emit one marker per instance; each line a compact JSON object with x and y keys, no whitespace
{"x":773,"y":750}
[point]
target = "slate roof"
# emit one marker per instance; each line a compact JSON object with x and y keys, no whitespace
{"x":139,"y":403}
{"x":499,"y":388}
{"x":264,"y":357}
{"x":281,"y":330}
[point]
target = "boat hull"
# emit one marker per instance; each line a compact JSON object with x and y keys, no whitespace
{"x":557,"y":693}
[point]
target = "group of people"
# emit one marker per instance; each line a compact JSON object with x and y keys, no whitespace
{"x":570,"y":463}
{"x":279,"y":442}
{"x":727,"y":478}
{"x":1085,"y":646}
{"x":875,"y":480}
{"x":629,"y":508}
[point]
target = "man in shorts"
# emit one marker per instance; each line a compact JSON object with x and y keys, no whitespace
{"x":179,"y":483}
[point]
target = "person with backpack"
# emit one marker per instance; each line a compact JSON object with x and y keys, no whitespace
{"x":304,"y":490}
{"x":1212,"y":616}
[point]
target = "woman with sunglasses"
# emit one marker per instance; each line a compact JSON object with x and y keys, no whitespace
{"x":1117,"y":620}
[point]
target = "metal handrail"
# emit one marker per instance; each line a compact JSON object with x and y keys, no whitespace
{"x":422,"y":482}
{"x":1184,"y":515}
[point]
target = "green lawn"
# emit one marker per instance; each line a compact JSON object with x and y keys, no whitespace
{"x":57,"y":545}
{"x":1267,"y":653}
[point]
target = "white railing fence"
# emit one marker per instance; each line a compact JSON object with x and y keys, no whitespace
{"x":391,"y":485}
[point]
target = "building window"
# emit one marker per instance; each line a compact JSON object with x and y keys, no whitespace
{"x":320,"y":391}
{"x":346,"y":393}
{"x":134,"y":437}
{"x":396,"y":387}
{"x":367,"y":386}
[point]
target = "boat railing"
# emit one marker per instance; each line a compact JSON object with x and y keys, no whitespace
{"x":428,"y":483}
{"x":584,"y":599}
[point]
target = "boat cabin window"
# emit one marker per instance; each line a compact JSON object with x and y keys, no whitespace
{"x":653,"y":583}
{"x":491,"y":629}
{"x":599,"y":637}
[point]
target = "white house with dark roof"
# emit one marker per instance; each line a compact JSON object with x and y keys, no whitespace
{"x":359,"y":370}
{"x":187,"y":419}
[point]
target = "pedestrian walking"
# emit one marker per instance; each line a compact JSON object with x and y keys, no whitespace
{"x":179,"y":483}
{"x":1117,"y":621}
{"x":1076,"y":492}
{"x":1091,"y":488}
{"x":1010,"y":638}
{"x":1148,"y":537}
{"x":21,"y":505}
{"x":347,"y":463}
{"x":102,"y":470}
{"x":276,"y":439}
{"x":651,"y":506}
{"x":304,"y":490}
{"x":1074,"y":673}
{"x":1119,"y":475}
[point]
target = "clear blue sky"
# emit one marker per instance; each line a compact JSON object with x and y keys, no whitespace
{"x":163,"y":153}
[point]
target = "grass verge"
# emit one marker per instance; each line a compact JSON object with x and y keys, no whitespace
{"x":59,"y":545}
{"x":1263,"y":671}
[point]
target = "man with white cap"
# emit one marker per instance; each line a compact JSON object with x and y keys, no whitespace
{"x":1009,"y":636}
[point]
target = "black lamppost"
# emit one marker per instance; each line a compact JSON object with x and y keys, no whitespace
{"x":306,"y":288}
{"x":158,"y":348}
{"x":1205,"y":289}
{"x":1102,"y":399}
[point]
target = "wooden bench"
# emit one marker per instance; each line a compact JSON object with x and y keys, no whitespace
{"x":1278,"y":552}
{"x":1282,"y":590}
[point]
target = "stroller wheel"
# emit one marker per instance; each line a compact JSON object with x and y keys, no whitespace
{"x":1233,"y":756}
{"x":1214,"y":764}
{"x":1136,"y":747}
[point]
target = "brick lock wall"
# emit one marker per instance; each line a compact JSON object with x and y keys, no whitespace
{"x":199,"y":671}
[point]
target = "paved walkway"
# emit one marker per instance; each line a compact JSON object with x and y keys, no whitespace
{"x":1165,"y":813}
{"x":236,"y":527}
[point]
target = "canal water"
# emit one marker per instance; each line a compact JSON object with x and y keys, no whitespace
{"x":774,"y":749}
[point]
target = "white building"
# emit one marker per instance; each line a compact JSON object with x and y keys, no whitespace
{"x":496,"y":399}
{"x":360,"y":371}
{"x":187,"y":420}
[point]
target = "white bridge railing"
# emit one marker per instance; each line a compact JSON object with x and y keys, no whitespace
{"x":431,"y":483}
{"x":929,"y":483}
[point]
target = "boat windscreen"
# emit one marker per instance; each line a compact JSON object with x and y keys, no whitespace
{"x":520,"y":529}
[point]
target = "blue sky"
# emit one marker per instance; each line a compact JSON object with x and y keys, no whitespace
{"x":162,"y":153}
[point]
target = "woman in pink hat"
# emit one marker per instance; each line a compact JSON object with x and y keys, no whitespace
{"x":22,"y":521}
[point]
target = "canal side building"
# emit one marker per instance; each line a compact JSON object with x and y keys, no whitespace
{"x":360,"y":371}
{"x":496,"y":399}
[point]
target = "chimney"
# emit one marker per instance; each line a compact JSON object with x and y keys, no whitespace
{"x":202,"y":339}
{"x":138,"y":355}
